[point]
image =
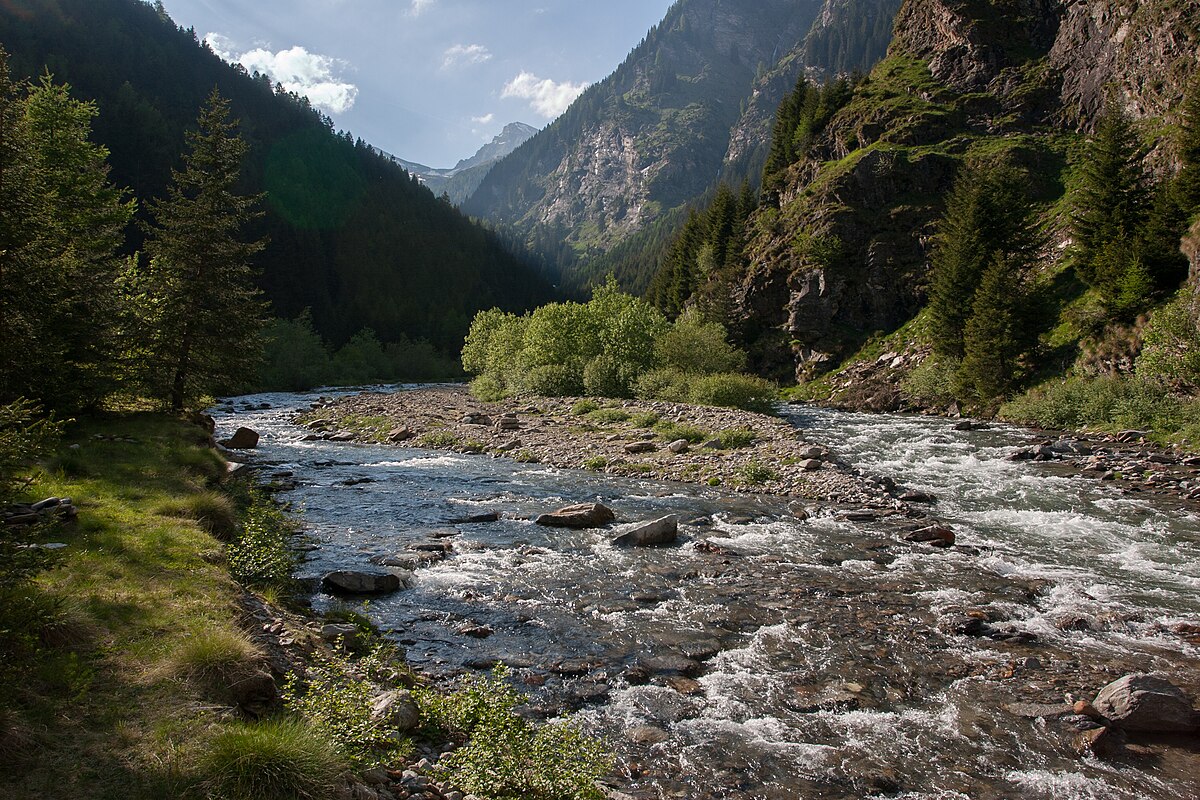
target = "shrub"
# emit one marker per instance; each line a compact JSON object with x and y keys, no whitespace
{"x":1171,"y":352}
{"x":261,"y":555}
{"x":213,"y":511}
{"x":662,"y":384}
{"x":674,"y":431}
{"x":933,"y":382}
{"x":273,"y":760}
{"x":699,"y":347}
{"x":755,"y":473}
{"x":295,"y":357}
{"x":736,"y":438}
{"x":595,"y":464}
{"x":438,"y":440}
{"x":644,"y":420}
{"x":609,"y":415}
{"x":25,"y":436}
{"x":604,"y":376}
{"x":527,"y":457}
{"x":507,"y":756}
{"x":336,"y":698}
{"x":552,"y":380}
{"x":735,"y":391}
{"x":487,"y":388}
{"x":584,"y":407}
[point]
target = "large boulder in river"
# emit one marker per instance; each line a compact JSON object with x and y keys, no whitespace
{"x":1146,"y":703}
{"x":242,"y":439}
{"x":650,"y":534}
{"x":583,"y":515}
{"x":348,"y":581}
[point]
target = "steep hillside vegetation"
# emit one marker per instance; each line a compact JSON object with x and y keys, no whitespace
{"x":692,"y":103}
{"x":841,"y":253}
{"x":352,"y":236}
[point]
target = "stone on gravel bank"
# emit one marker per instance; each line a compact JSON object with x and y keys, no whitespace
{"x":583,"y":515}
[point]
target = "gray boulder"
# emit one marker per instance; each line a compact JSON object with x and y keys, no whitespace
{"x":1146,"y":703}
{"x":349,"y":581}
{"x":583,"y":515}
{"x":396,"y":709}
{"x":650,"y":534}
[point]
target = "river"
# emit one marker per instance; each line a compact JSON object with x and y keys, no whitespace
{"x":820,"y":658}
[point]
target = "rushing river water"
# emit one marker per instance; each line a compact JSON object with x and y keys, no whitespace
{"x":823,"y":660}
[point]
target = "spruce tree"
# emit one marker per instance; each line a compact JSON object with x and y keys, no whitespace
{"x":992,"y":337}
{"x":1187,"y":187}
{"x":1111,"y":200}
{"x":202,"y":310}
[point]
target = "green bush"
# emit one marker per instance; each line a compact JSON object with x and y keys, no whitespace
{"x":438,"y":440}
{"x":507,"y":757}
{"x":735,"y":391}
{"x":934,"y":381}
{"x":552,"y":380}
{"x":487,"y":388}
{"x":584,"y":407}
{"x":696,"y":346}
{"x":674,"y":431}
{"x":662,"y":384}
{"x":755,"y":473}
{"x":605,"y":376}
{"x":1171,"y":352}
{"x":336,"y":697}
{"x":595,"y":463}
{"x":736,"y":438}
{"x":279,"y":759}
{"x":646,"y":419}
{"x":295,"y":357}
{"x":261,"y":555}
{"x":608,"y":416}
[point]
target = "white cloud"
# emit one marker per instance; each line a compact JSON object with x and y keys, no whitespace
{"x":420,"y":6}
{"x":544,"y":95}
{"x":309,"y":74}
{"x":465,"y":54}
{"x":486,"y":119}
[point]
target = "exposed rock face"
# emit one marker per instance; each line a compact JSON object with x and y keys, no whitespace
{"x":1147,"y":703}
{"x":846,"y":254}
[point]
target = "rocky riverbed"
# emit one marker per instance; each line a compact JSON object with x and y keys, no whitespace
{"x":719,"y":447}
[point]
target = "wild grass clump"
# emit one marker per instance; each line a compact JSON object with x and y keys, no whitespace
{"x":215,"y":658}
{"x":214,"y":511}
{"x":608,"y":416}
{"x":584,"y":407}
{"x":726,"y":390}
{"x":438,"y":440}
{"x":505,"y":755}
{"x":646,"y":419}
{"x":756,"y":473}
{"x":282,"y":759}
{"x":674,"y":431}
{"x":736,"y":438}
{"x":595,"y":464}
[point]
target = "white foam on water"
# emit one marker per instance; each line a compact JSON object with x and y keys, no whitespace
{"x":768,"y":735}
{"x":1048,"y":785}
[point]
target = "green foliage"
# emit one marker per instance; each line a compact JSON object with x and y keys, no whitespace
{"x":645,"y":419}
{"x":730,"y":390}
{"x":336,"y":697}
{"x":736,"y":438}
{"x":662,"y":384}
{"x":487,"y":388}
{"x":934,"y":382}
{"x":674,"y":431}
{"x":527,"y":456}
{"x":1170,"y":355}
{"x":607,"y":416}
{"x":260,"y":556}
{"x":213,"y":510}
{"x":280,"y":759}
{"x":295,"y":357}
{"x":25,"y":436}
{"x":756,"y":473}
{"x":695,"y":346}
{"x":584,"y":407}
{"x":802,"y":115}
{"x":199,"y":310}
{"x":992,"y":339}
{"x":507,"y":757}
{"x":1187,"y":188}
{"x":439,"y":440}
{"x":595,"y":463}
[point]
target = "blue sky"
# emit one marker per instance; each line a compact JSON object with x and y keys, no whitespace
{"x":427,"y":80}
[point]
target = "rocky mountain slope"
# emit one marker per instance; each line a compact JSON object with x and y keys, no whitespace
{"x":460,"y":181}
{"x":692,"y":103}
{"x":845,"y":255}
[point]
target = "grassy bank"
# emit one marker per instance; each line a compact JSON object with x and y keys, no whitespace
{"x":134,"y":678}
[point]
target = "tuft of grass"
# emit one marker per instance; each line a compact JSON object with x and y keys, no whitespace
{"x":595,"y":464}
{"x":736,"y":438}
{"x":756,"y":473}
{"x":584,"y":407}
{"x":527,"y":457}
{"x":438,"y":440}
{"x":215,"y":658}
{"x":674,"y":431}
{"x":646,"y":419}
{"x":608,"y":415}
{"x":280,"y":759}
{"x":213,"y":510}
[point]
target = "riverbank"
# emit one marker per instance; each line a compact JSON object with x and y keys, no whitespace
{"x":718,"y":447}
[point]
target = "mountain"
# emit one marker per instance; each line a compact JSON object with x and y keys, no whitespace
{"x":353,"y":236}
{"x":659,"y":132}
{"x":461,"y":180}
{"x":843,"y":255}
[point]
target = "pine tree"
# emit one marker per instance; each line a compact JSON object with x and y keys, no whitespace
{"x":1187,"y":187}
{"x":202,"y":310}
{"x":1111,"y":200}
{"x":987,"y":213}
{"x":85,"y":231}
{"x":992,"y":338}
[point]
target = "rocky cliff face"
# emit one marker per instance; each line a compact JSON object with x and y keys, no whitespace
{"x":845,"y":255}
{"x":692,"y":103}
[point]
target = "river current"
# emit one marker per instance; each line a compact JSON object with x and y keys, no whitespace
{"x":804,"y":658}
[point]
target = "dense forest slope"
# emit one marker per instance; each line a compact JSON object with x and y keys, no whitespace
{"x":352,"y":235}
{"x":690,"y":105}
{"x":843,"y":252}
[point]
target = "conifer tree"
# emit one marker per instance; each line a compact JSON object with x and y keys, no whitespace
{"x":1111,"y":200}
{"x":1187,"y":187}
{"x":202,"y":310}
{"x":992,"y":337}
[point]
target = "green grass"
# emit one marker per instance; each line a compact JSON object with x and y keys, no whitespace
{"x":674,"y":431}
{"x":214,"y":511}
{"x":608,"y":415}
{"x":275,"y":760}
{"x":584,"y":407}
{"x":646,"y":419}
{"x":736,"y":438}
{"x":438,"y":440}
{"x":756,"y":474}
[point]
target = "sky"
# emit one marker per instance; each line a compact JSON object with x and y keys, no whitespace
{"x":427,"y":80}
